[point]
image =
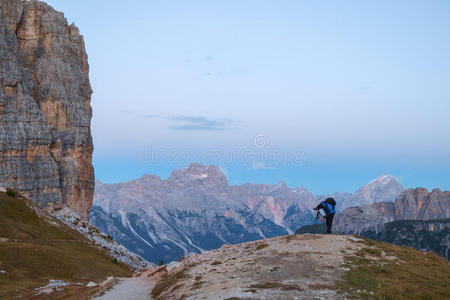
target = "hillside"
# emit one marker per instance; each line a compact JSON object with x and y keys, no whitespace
{"x":429,"y":235}
{"x":36,"y":248}
{"x":307,"y":267}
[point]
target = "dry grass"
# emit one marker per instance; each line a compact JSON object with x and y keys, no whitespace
{"x":37,"y":251}
{"x":261,"y":246}
{"x":276,"y":285}
{"x":414,"y":275}
{"x":173,"y":280}
{"x":321,"y":286}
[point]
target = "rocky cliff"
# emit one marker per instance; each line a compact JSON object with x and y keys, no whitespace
{"x":45,"y":140}
{"x":356,"y":219}
{"x":430,"y":235}
{"x":417,"y":218}
{"x":412,"y":204}
{"x":420,"y":204}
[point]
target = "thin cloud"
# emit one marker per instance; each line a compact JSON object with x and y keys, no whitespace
{"x":152,"y":116}
{"x":200,"y":123}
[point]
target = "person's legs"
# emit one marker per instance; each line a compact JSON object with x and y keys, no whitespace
{"x":329,"y":222}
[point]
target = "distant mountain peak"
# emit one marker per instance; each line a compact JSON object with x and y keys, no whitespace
{"x":383,"y":179}
{"x":384,"y":188}
{"x":199,"y":169}
{"x":280,"y":185}
{"x":199,"y":173}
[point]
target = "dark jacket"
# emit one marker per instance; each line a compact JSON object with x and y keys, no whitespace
{"x":327,"y":208}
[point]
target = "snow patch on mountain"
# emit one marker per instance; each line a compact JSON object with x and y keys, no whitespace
{"x":383,"y":179}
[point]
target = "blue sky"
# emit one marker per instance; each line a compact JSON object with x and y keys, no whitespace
{"x":335,"y":92}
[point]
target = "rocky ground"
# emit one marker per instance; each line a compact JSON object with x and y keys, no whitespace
{"x":286,"y":267}
{"x":135,"y":288}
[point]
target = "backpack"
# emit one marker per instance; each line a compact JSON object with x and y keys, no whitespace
{"x":328,"y":206}
{"x":331,"y":201}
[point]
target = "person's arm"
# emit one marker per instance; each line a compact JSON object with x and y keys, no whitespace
{"x":319,"y":206}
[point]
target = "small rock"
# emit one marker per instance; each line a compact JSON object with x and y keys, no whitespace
{"x":189,"y":254}
{"x":3,"y":272}
{"x":91,"y":284}
{"x":108,"y":280}
{"x":172,"y":265}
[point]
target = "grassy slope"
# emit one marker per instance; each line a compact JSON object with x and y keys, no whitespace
{"x":413,"y":275}
{"x":37,"y":251}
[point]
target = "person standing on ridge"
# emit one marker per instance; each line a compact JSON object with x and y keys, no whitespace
{"x":328,"y":206}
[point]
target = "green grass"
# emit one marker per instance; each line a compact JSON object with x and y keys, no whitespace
{"x":11,"y":193}
{"x":414,"y":275}
{"x":37,"y":251}
{"x":261,"y":246}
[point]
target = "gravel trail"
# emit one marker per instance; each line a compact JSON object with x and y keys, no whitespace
{"x":134,"y":288}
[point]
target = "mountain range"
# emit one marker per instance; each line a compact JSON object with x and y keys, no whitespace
{"x":195,"y":209}
{"x":418,"y":218}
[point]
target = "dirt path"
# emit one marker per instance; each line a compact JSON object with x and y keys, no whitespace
{"x":134,"y":288}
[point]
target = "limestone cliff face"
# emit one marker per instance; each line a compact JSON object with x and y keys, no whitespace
{"x":412,"y":204}
{"x":419,"y":204}
{"x":360,"y":218}
{"x":45,"y":140}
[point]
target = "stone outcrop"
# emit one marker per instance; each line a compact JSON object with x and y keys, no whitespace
{"x":420,"y":204}
{"x":426,"y":235}
{"x":356,"y":219}
{"x":412,"y":204}
{"x":45,"y":140}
